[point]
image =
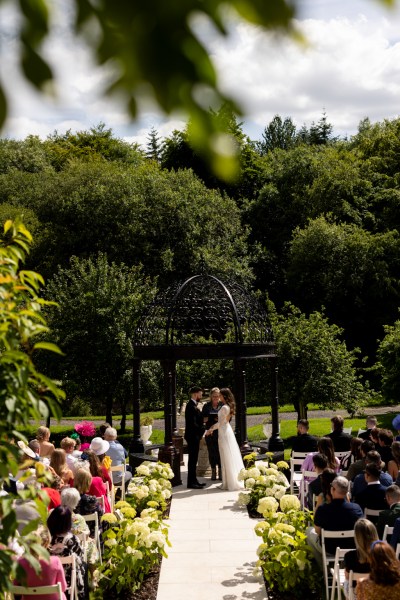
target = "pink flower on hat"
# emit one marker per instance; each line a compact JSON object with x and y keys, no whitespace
{"x":86,"y":428}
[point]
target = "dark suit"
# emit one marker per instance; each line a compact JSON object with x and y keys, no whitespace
{"x":388,"y":517}
{"x":374,"y":497}
{"x":304,"y":443}
{"x":341,"y":441}
{"x":194,"y":430}
{"x":365,"y":434}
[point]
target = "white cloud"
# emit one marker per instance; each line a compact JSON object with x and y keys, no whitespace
{"x":350,"y":68}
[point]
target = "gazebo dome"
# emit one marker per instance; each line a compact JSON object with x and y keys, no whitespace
{"x":204,"y":310}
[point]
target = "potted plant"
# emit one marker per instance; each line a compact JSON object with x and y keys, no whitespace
{"x":267,"y":427}
{"x":146,"y":429}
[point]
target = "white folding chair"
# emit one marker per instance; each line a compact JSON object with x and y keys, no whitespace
{"x":341,"y":455}
{"x":354,"y":577}
{"x":73,"y":588}
{"x":304,"y":483}
{"x":101,"y":503}
{"x":94,"y":517}
{"x":43,"y":590}
{"x":338,"y":576}
{"x":371,"y":512}
{"x":328,"y":559}
{"x":387,"y":531}
{"x":83,"y":538}
{"x":110,"y":496}
{"x":347,"y":430}
{"x":119,"y":469}
{"x":296,"y":475}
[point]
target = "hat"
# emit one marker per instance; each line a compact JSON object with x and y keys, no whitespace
{"x":396,"y":422}
{"x":99,"y":446}
{"x":26,"y":450}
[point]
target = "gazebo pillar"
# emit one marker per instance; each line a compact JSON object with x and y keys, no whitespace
{"x":168,"y":453}
{"x":241,"y":404}
{"x":136,"y":445}
{"x":275,"y":443}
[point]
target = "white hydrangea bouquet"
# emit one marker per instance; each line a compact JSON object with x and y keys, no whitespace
{"x":150,"y":484}
{"x":262,"y":480}
{"x":284,"y":555}
{"x":132,"y":546}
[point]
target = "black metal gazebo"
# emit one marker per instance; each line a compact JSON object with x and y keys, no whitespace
{"x":203,"y":318}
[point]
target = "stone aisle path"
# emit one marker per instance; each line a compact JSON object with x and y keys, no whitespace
{"x":213,"y":547}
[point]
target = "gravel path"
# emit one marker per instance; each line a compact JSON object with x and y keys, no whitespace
{"x":251,"y":419}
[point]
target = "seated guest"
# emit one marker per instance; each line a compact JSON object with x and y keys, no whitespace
{"x":360,"y":484}
{"x":70,"y":499}
{"x":97,"y":486}
{"x":35,"y":447}
{"x":374,"y":436}
{"x":77,"y":453}
{"x":389,"y":516}
{"x":374,"y":495}
{"x":51,"y":572}
{"x":357,"y":560}
{"x":88,"y":504}
{"x":324,"y":446}
{"x":358,"y":466}
{"x":65,"y":543}
{"x":43,"y":437}
{"x":102,"y":429}
{"x":353,"y":456}
{"x":97,"y":469}
{"x":384,"y":577}
{"x":304,"y":442}
{"x":385,"y":446}
{"x":320,"y":463}
{"x":53,"y":492}
{"x":58,"y":462}
{"x":338,"y":515}
{"x":394,"y":464}
{"x":341,"y":440}
{"x":118,"y":455}
{"x":68,"y":445}
{"x":325,"y":496}
{"x":371,"y":424}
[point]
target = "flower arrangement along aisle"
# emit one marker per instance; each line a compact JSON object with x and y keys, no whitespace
{"x":284,"y":555}
{"x":137,"y":536}
{"x":262,"y":480}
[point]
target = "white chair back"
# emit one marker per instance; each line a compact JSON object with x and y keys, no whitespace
{"x":347,"y":430}
{"x":110,"y":496}
{"x":341,"y":455}
{"x":305,"y":481}
{"x":387,"y":531}
{"x":330,"y":558}
{"x":83,"y":538}
{"x":371,"y":512}
{"x":397,"y":550}
{"x":360,"y":431}
{"x":90,"y":518}
{"x":73,"y":588}
{"x":43,"y":590}
{"x":354,"y":577}
{"x":122,"y":469}
{"x":338,"y":576}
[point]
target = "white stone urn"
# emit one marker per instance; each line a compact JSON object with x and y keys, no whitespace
{"x":145,"y":434}
{"x":267,"y":429}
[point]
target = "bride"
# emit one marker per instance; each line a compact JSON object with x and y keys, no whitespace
{"x":231,"y":459}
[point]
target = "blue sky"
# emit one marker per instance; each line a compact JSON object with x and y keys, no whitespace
{"x":350,"y":67}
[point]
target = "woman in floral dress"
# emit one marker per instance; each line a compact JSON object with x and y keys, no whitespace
{"x":65,"y":543}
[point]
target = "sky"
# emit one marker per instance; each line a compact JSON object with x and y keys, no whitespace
{"x":349,"y":68}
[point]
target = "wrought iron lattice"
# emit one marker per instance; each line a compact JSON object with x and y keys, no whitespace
{"x":203,"y":309}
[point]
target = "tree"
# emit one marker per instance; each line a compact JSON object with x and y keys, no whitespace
{"x":278,"y":134}
{"x":314,"y":364}
{"x":98,"y":307}
{"x":154,"y":146}
{"x":389,"y":363}
{"x":351,"y":272}
{"x":25,"y":392}
{"x":321,"y":132}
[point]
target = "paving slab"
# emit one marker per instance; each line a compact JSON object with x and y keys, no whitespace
{"x":214,"y":547}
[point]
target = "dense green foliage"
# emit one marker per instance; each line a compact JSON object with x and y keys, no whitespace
{"x":310,"y":220}
{"x":25,"y":392}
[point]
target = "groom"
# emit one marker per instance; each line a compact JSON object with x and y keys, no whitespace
{"x":194,"y":430}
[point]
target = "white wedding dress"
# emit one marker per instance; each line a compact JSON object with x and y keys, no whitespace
{"x":231,"y":459}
